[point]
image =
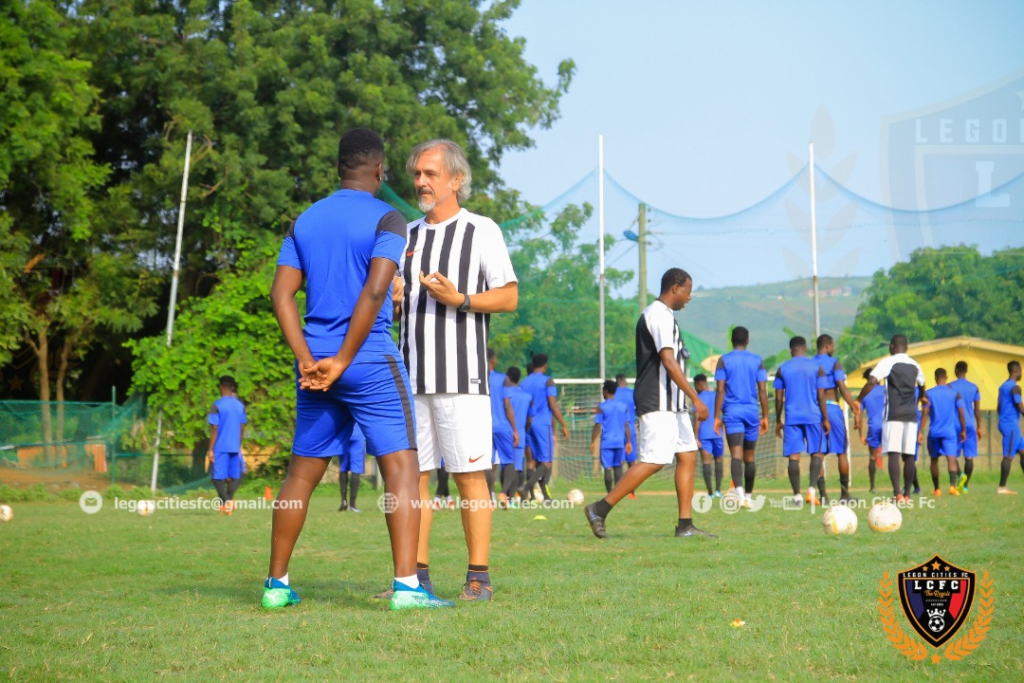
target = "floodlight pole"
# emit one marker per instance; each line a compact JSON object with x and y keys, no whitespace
{"x":174,"y":297}
{"x":600,"y":245}
{"x":642,"y":243}
{"x":814,"y":250}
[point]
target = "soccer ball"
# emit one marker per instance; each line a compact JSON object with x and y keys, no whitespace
{"x":839,"y":519}
{"x":145,"y":508}
{"x":6,"y":513}
{"x":885,"y":517}
{"x":575,"y":496}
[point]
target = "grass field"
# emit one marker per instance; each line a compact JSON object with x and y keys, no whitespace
{"x":118,"y":597}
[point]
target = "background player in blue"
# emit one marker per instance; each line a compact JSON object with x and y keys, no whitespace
{"x":503,"y":428}
{"x":948,"y":428}
{"x":874,"y":405}
{"x":227,"y":428}
{"x":542,"y":436}
{"x":1009,"y":409}
{"x":347,"y":248}
{"x":610,"y":436}
{"x":625,"y":394}
{"x":710,"y":444}
{"x":740,"y":378}
{"x":800,"y":395}
{"x":836,"y":440}
{"x":351,"y":465}
{"x":520,"y":402}
{"x":968,"y":390}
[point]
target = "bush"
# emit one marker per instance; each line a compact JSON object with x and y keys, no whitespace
{"x":113,"y":492}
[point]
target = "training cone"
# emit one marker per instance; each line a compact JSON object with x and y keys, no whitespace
{"x":268,"y":494}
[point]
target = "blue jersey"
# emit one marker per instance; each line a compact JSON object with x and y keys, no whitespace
{"x":833,"y":370}
{"x":874,"y":405}
{"x":741,"y":370}
{"x":625,"y":396}
{"x":1009,"y":414}
{"x":539,"y":386}
{"x":228,"y":413}
{"x":800,"y":377}
{"x":969,"y":393}
{"x":943,"y":401}
{"x":499,"y":420}
{"x":611,"y":415}
{"x":332,"y":243}
{"x":707,"y":427}
{"x":520,"y":401}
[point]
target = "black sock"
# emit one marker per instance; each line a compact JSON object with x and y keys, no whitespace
{"x":736,"y":469}
{"x":968,"y":470}
{"x":544,"y":488}
{"x":508,"y":479}
{"x":535,"y":477}
{"x":608,"y":477}
{"x":844,"y":485}
{"x":816,"y":463}
{"x":953,"y":476}
{"x":489,"y":476}
{"x":749,"y":473}
{"x":343,"y":484}
{"x":520,"y":479}
{"x":794,"y":476}
{"x":707,"y":477}
{"x":872,"y":469}
{"x":602,"y":507}
{"x":894,"y":473}
{"x":442,"y":483}
{"x":422,"y":571}
{"x":617,"y":470}
{"x":353,"y":489}
{"x":719,"y":466}
{"x":935,"y":472}
{"x":821,"y":482}
{"x":909,"y":471}
{"x":222,"y":490}
{"x":1004,"y":471}
{"x":479,"y":572}
{"x":917,"y":486}
{"x":233,"y":485}
{"x":685,"y":523}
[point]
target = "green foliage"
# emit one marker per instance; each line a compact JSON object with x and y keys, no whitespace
{"x":940,"y":293}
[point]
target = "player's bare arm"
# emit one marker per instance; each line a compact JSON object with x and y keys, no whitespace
{"x":510,"y":414}
{"x":780,"y":402}
{"x":762,"y":394}
{"x":503,"y":299}
{"x":675,"y":372}
{"x":287,"y":283}
{"x":871,"y":384}
{"x":826,"y":426}
{"x":557,"y":412}
{"x":719,"y":400}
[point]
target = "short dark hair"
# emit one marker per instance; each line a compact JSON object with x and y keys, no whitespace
{"x":940,"y":373}
{"x":539,"y":360}
{"x":823,"y":341}
{"x":529,"y":368}
{"x":797,"y":343}
{"x":621,"y":377}
{"x":740,"y":336}
{"x":899,"y":341}
{"x":609,"y":387}
{"x":1012,"y":366}
{"x":228,"y":382}
{"x":514,"y":374}
{"x":961,"y":366}
{"x":359,"y":147}
{"x":867,"y":373}
{"x":697,"y":379}
{"x":673,"y":277}
{"x":490,"y":353}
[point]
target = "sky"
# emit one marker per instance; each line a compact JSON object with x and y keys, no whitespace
{"x":708,"y":108}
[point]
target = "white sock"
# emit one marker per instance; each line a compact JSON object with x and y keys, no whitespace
{"x":739,"y":493}
{"x":410,"y":581}
{"x":283,"y":579}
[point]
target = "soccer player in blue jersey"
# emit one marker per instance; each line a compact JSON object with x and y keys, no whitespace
{"x":1009,"y":409}
{"x":227,"y":429}
{"x":346,"y":248}
{"x":625,"y":394}
{"x":351,"y":466}
{"x":710,"y":444}
{"x":800,"y":396}
{"x":836,"y":440}
{"x":520,"y":402}
{"x":948,"y":428}
{"x":968,"y":390}
{"x":874,"y":405}
{"x":503,"y":426}
{"x":541,"y":431}
{"x":610,"y":437}
{"x":740,"y":378}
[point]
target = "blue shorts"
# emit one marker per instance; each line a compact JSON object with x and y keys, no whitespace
{"x":939,"y":446}
{"x":874,"y":437}
{"x":504,"y":448}
{"x":835,"y":440}
{"x":797,"y":439}
{"x":742,"y":418}
{"x":631,"y":457}
{"x":353,"y":458}
{"x":374,"y":394}
{"x":713,"y":445}
{"x":542,"y":442}
{"x":1013,"y":443}
{"x":612,"y":457}
{"x":520,"y":458}
{"x":226,"y":466}
{"x":969,"y":448}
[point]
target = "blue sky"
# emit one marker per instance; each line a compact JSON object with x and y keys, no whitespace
{"x":705,"y":107}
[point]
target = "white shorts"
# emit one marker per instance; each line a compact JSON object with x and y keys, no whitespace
{"x":899,"y":437}
{"x":663,"y":434}
{"x":455,"y":427}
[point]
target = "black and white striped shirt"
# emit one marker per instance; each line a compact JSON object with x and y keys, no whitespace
{"x":444,"y":349}
{"x":654,"y":389}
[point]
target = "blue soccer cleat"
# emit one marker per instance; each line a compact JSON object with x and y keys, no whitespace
{"x":404,"y":597}
{"x":277,"y":595}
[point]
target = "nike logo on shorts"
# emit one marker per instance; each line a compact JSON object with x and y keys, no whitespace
{"x":472,"y":460}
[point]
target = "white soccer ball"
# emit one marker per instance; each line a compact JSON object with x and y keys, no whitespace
{"x":885,"y":517}
{"x":6,"y":513}
{"x":575,"y":496}
{"x":145,"y":508}
{"x":839,"y":519}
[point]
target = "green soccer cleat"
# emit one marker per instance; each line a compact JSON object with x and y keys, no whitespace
{"x":404,"y":597}
{"x":277,"y":595}
{"x":961,"y":483}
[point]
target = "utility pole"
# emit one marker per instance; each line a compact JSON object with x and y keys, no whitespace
{"x":642,"y":242}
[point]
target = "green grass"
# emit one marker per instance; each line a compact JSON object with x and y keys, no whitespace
{"x":118,"y":597}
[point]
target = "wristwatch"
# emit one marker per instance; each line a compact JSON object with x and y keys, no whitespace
{"x":464,"y":308}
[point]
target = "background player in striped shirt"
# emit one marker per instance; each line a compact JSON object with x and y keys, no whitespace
{"x":456,"y":272}
{"x":947,"y":429}
{"x":227,"y":429}
{"x":968,"y":390}
{"x":609,"y":439}
{"x":710,"y":444}
{"x":1009,"y":409}
{"x":874,"y":406}
{"x":740,"y":386}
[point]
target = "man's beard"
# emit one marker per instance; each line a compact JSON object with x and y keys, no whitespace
{"x":426,"y":205}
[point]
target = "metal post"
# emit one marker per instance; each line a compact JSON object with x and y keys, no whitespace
{"x":814,"y":250}
{"x":642,"y":243}
{"x":600,"y":246}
